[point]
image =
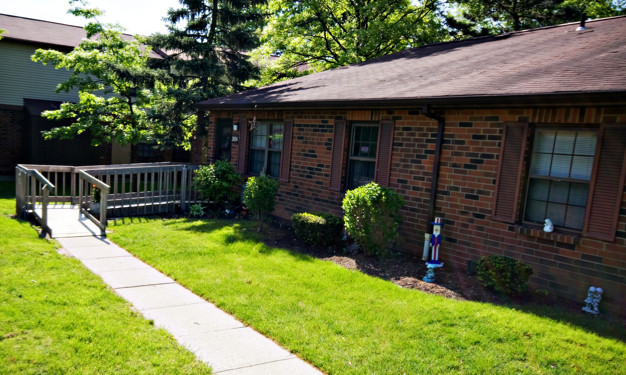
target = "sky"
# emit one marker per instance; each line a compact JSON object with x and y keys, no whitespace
{"x":135,"y":16}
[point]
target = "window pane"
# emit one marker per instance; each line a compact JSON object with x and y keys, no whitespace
{"x":578,"y":194}
{"x":556,"y":213}
{"x":559,"y":192}
{"x":561,"y":165}
{"x":259,"y":136}
{"x":364,"y":141}
{"x":273,"y":168}
{"x":276,"y":137}
{"x":540,"y":164}
{"x":564,"y":143}
{"x":361,"y":173}
{"x":575,"y":217}
{"x":586,"y":143}
{"x":581,"y":169}
{"x":544,"y":141}
{"x":536,"y":211}
{"x":256,"y":161}
{"x":539,"y":189}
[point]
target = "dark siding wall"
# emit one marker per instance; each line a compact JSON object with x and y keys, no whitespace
{"x":11,"y":139}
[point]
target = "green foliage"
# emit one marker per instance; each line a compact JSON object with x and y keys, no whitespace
{"x":116,"y":88}
{"x":259,"y":196}
{"x":479,"y":17}
{"x":318,"y":229}
{"x":326,"y":34}
{"x":196,"y":210}
{"x":96,"y":194}
{"x":208,"y":56}
{"x":503,"y":274}
{"x":372,"y":216}
{"x":217,"y":182}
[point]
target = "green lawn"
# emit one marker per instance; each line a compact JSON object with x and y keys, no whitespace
{"x":345,"y":322}
{"x":57,"y":317}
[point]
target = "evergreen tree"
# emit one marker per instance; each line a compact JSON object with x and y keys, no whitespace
{"x":205,"y":54}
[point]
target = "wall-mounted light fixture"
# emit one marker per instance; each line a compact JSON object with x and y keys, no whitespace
{"x":235,"y":127}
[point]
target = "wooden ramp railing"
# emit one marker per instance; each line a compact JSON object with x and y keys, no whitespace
{"x":124,"y":189}
{"x":32,"y":187}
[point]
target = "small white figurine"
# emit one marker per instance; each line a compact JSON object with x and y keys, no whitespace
{"x":593,"y":299}
{"x":549,"y":227}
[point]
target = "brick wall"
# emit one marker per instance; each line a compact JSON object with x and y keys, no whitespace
{"x":565,"y":265}
{"x":11,"y":139}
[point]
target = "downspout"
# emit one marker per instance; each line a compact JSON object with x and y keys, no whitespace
{"x":435,"y":178}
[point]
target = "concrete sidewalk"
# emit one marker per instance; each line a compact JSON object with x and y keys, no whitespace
{"x":212,"y":335}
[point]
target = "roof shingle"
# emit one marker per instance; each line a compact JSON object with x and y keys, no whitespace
{"x":550,"y":60}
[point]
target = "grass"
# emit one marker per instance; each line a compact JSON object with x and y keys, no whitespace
{"x":345,"y":322}
{"x":57,"y":317}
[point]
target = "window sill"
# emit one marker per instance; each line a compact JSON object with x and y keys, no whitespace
{"x":537,"y":232}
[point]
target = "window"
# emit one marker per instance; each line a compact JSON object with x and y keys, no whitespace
{"x":266,"y":145}
{"x":559,"y":177}
{"x":575,"y":178}
{"x":362,"y":155}
{"x":146,"y":151}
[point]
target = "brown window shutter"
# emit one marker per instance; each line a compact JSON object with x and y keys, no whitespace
{"x":385,"y":146}
{"x":242,"y":161}
{"x":285,"y":157}
{"x":510,"y":172}
{"x":607,"y":184}
{"x":337,"y":162}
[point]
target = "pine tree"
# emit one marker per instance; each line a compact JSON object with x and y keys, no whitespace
{"x":205,"y":54}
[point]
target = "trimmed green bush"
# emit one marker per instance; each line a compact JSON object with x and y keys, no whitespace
{"x":196,"y":210}
{"x":372,"y":216}
{"x":503,"y":274}
{"x":217,"y":182}
{"x":259,"y":196}
{"x":318,"y":229}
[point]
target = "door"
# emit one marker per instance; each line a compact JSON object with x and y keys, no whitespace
{"x":223,"y":139}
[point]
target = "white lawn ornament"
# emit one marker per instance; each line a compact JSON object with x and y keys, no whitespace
{"x":594,"y":296}
{"x":548,"y":227}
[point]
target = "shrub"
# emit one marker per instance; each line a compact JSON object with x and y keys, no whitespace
{"x":259,"y":196}
{"x":503,"y":274}
{"x":372,"y":216}
{"x":217,"y":182}
{"x":318,"y":229}
{"x":196,"y":210}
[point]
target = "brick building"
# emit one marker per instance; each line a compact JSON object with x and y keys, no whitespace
{"x":492,"y":134}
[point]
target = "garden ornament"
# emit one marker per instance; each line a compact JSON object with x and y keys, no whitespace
{"x":593,"y":299}
{"x":549,"y":227}
{"x":435,"y":243}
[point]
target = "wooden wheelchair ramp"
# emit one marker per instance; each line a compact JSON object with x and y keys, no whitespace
{"x":64,"y":221}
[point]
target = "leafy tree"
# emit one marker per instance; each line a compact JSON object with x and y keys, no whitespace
{"x":116,"y":88}
{"x":479,"y":17}
{"x":325,"y":34}
{"x":2,"y":32}
{"x":259,"y":195}
{"x":206,"y":57}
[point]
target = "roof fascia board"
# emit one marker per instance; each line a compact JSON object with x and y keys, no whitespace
{"x":514,"y":101}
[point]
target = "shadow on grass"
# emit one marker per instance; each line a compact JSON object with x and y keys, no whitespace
{"x":7,"y":190}
{"x":572,"y":315}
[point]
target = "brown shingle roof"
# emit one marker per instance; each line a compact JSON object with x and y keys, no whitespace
{"x":46,"y":33}
{"x":545,"y":61}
